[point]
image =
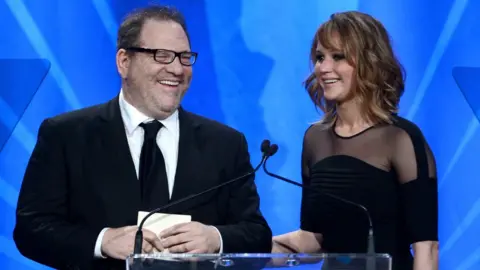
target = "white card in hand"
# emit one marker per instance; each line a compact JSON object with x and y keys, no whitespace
{"x":160,"y":221}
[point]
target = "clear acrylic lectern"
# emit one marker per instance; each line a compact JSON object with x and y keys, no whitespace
{"x":248,"y":261}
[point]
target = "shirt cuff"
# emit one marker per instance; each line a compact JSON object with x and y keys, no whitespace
{"x":98,"y":245}
{"x":220,"y":251}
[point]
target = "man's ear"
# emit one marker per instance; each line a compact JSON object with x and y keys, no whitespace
{"x":123,"y":62}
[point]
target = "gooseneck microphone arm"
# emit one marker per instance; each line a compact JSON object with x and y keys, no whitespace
{"x":371,"y":241}
{"x":265,"y":147}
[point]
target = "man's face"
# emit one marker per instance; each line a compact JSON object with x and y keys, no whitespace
{"x":155,"y":88}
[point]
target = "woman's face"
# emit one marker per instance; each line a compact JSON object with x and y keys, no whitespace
{"x":333,"y":73}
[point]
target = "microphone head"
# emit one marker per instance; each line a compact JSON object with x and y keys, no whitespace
{"x":273,"y":149}
{"x":265,"y":146}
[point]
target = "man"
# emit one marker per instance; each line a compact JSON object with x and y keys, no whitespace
{"x":92,"y":170}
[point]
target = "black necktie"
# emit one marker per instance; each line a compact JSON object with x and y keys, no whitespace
{"x":152,"y":173}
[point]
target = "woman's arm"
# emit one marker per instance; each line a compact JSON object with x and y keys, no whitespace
{"x":297,"y":242}
{"x":425,"y":255}
{"x":415,"y":165}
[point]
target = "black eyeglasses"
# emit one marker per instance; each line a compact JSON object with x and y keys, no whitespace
{"x":167,"y":56}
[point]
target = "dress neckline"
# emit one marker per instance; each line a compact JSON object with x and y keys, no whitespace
{"x":353,"y":135}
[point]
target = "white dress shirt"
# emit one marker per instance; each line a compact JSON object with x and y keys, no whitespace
{"x":167,"y":140}
{"x":167,"y":137}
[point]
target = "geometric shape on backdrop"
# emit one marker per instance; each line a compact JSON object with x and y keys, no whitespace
{"x":466,"y":79}
{"x":21,"y":79}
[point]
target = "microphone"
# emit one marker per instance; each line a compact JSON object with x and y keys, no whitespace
{"x":371,"y":241}
{"x":265,"y":147}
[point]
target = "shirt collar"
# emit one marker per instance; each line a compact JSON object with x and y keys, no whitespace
{"x":133,"y":117}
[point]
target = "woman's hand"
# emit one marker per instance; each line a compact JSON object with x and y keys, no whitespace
{"x":297,"y":242}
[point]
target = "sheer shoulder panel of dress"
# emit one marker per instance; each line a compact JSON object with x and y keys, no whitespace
{"x":414,"y":163}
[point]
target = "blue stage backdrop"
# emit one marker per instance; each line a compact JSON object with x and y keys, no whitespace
{"x":253,"y":55}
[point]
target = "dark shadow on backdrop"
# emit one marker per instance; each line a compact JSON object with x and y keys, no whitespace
{"x":21,"y":79}
{"x":466,"y":79}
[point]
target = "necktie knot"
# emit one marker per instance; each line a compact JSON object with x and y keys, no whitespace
{"x":151,"y":128}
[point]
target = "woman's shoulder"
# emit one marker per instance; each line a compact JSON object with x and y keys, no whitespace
{"x":404,"y":128}
{"x":316,"y":130}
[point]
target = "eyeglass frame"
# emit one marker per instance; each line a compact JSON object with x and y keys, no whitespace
{"x":154,"y":53}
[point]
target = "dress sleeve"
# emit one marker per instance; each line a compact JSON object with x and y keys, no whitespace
{"x":414,"y":163}
{"x":306,"y":221}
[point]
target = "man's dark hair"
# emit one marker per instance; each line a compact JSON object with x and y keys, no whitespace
{"x":131,"y":27}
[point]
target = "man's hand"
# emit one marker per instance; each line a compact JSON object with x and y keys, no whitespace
{"x":191,"y":237}
{"x":118,"y":243}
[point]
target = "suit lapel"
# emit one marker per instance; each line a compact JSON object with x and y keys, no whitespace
{"x":197,"y":170}
{"x":189,"y":158}
{"x":120,"y":179}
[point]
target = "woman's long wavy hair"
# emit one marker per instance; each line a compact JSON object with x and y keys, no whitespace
{"x":378,"y":81}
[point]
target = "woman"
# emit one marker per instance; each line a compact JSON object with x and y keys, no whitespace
{"x":363,"y":152}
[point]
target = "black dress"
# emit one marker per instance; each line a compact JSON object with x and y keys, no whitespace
{"x":390,"y":170}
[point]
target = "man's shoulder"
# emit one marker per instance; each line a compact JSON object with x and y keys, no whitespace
{"x":213,"y":126}
{"x":77,"y":118}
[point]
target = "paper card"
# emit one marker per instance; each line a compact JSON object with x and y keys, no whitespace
{"x":160,"y":221}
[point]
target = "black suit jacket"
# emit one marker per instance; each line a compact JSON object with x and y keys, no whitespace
{"x":81,"y":178}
